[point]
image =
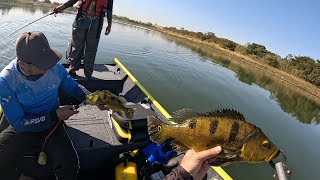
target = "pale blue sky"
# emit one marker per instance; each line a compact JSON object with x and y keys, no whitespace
{"x":283,"y":26}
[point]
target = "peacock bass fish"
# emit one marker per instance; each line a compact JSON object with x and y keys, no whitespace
{"x":116,"y":103}
{"x":239,"y":140}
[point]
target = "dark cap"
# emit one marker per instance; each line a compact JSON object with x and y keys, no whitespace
{"x":33,"y":47}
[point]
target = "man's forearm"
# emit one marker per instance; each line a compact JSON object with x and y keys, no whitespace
{"x":109,"y":11}
{"x":178,"y":173}
{"x":69,"y":3}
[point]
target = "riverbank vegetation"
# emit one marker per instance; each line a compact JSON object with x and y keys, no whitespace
{"x":46,"y":5}
{"x":294,"y":100}
{"x":43,"y":3}
{"x":302,"y":72}
{"x":301,"y":66}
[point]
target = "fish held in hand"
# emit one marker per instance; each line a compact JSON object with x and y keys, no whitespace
{"x":239,"y":139}
{"x":116,"y":103}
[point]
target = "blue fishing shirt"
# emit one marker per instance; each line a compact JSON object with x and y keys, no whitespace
{"x":30,"y":105}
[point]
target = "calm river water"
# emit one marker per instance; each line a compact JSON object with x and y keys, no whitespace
{"x":180,"y":77}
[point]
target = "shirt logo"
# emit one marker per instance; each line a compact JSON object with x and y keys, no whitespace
{"x":34,"y":121}
{"x":6,"y":99}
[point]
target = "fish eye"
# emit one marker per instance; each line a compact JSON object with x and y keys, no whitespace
{"x":266,"y":144}
{"x":159,"y":128}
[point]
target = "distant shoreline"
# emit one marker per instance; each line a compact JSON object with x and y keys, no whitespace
{"x":305,"y":88}
{"x":29,"y":3}
{"x":311,"y":89}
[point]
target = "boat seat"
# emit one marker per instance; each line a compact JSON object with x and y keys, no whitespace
{"x":135,"y":129}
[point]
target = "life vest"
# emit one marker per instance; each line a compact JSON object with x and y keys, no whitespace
{"x":101,"y":5}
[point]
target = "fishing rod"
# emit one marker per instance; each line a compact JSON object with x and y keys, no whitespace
{"x":25,"y":26}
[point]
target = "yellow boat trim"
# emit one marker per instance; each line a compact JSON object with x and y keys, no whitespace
{"x":219,"y":170}
{"x":120,"y":131}
{"x":221,"y":173}
{"x":164,"y":112}
{"x":133,"y":153}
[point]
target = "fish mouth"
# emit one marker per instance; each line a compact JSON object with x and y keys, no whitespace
{"x":273,"y":155}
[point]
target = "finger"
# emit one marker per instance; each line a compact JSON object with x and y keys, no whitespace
{"x":206,"y":166}
{"x":70,"y":107}
{"x":72,"y":111}
{"x":204,"y":155}
{"x":76,"y":111}
{"x":203,"y":170}
{"x":103,"y":107}
{"x":212,"y":159}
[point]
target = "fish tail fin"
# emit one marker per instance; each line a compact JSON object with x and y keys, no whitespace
{"x":130,"y":112}
{"x":154,"y":129}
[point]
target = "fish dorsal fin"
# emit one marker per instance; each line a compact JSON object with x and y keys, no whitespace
{"x":227,"y":113}
{"x":111,"y":95}
{"x":184,"y":114}
{"x":108,"y":92}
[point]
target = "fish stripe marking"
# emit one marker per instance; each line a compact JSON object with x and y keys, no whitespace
{"x":234,"y":132}
{"x":113,"y":98}
{"x":192,"y":124}
{"x":213,"y":126}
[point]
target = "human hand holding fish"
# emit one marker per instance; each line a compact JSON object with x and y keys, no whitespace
{"x":103,"y":107}
{"x":198,"y":163}
{"x":64,"y":112}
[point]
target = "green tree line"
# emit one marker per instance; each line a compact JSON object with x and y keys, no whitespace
{"x":122,"y":18}
{"x":301,"y":66}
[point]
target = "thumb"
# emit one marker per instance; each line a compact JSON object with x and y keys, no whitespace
{"x":207,"y":154}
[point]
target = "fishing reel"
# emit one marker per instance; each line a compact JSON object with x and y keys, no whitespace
{"x":281,"y":170}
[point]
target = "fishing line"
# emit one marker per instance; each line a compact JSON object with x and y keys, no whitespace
{"x":25,"y":26}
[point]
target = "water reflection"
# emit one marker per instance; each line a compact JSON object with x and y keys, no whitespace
{"x":30,"y":9}
{"x":5,"y":9}
{"x":291,"y":102}
{"x":290,"y":99}
{"x":245,"y":77}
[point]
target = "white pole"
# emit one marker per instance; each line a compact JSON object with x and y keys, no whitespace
{"x":280,"y":171}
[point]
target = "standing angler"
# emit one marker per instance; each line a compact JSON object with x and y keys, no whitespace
{"x":86,"y":31}
{"x":240,"y":140}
